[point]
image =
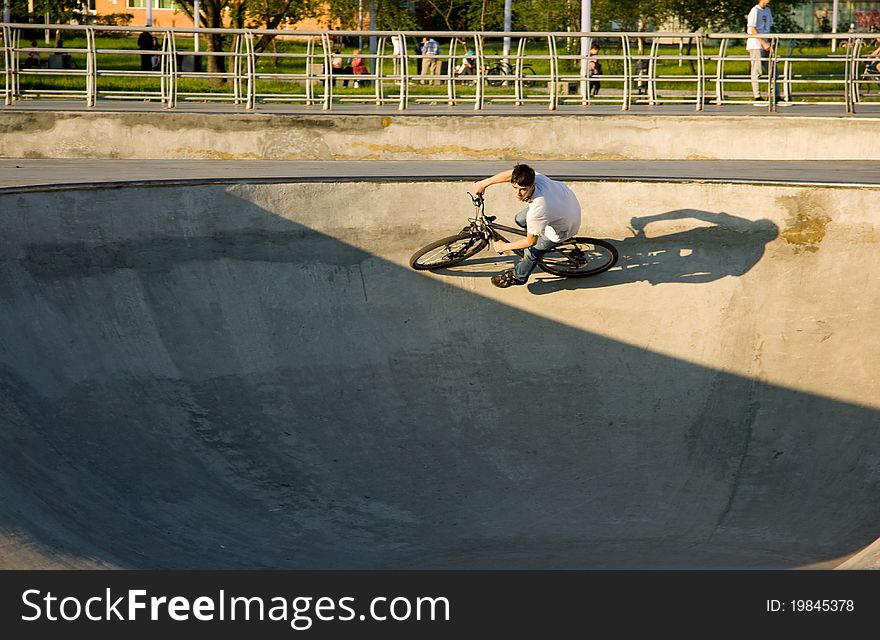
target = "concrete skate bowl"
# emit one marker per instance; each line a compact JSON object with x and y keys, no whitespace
{"x":250,"y":376}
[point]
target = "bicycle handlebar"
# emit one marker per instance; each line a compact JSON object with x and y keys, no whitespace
{"x":477,"y":199}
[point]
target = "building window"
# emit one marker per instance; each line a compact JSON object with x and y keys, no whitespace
{"x":157,"y":4}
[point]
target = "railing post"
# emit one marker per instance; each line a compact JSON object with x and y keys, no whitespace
{"x":719,"y":72}
{"x":772,"y":70}
{"x":236,"y":69}
{"x":701,"y":73}
{"x":851,"y":74}
{"x":91,"y":68}
{"x":651,"y":79}
{"x":584,"y":70}
{"x":627,"y":72}
{"x":310,"y":83}
{"x":404,"y":74}
{"x":327,"y":104}
{"x":481,"y":77}
{"x":518,"y":71}
{"x":379,"y":70}
{"x":554,"y":73}
{"x":8,"y":69}
{"x":251,"y":58}
{"x":171,"y":74}
{"x":452,"y":51}
{"x":244,"y":58}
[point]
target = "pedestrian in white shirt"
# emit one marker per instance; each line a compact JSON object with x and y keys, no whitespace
{"x":759,"y":22}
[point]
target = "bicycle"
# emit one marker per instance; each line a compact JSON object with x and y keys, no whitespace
{"x":501,"y":68}
{"x":576,"y":257}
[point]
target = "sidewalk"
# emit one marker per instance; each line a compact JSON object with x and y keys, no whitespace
{"x":16,"y":173}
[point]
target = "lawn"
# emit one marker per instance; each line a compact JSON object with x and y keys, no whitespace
{"x":819,"y":73}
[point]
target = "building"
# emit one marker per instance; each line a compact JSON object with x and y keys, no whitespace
{"x":166,"y":13}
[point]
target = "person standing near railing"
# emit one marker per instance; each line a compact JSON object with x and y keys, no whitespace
{"x":595,"y":67}
{"x":145,"y":43}
{"x":759,"y":22}
{"x":430,"y":58}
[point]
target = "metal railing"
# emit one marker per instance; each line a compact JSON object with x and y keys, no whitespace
{"x":518,"y":68}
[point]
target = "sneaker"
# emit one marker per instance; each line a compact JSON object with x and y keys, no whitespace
{"x":505,"y":279}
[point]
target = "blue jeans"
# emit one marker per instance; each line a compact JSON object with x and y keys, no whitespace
{"x":529,"y":261}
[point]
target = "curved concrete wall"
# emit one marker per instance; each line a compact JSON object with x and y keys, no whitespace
{"x":251,"y":376}
{"x":31,"y":134}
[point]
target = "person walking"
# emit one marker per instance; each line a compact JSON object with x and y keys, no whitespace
{"x":759,"y":22}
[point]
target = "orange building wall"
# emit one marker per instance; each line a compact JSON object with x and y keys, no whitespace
{"x":173,"y":18}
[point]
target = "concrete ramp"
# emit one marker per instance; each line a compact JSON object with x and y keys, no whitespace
{"x":250,"y":376}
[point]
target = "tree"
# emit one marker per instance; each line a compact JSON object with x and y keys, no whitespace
{"x":58,"y":11}
{"x":547,"y":15}
{"x":730,"y":15}
{"x":210,"y":17}
{"x":390,"y":15}
{"x":630,"y":15}
{"x":272,"y":14}
{"x":257,"y":14}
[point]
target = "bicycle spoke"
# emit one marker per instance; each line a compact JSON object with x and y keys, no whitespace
{"x":447,"y":252}
{"x":578,"y":258}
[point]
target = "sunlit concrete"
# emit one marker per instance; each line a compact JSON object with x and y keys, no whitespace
{"x":221,"y":135}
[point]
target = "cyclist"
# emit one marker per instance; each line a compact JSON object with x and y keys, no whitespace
{"x":553,"y":216}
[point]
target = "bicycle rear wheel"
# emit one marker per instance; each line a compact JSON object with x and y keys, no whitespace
{"x":447,"y":252}
{"x":580,"y":257}
{"x":494,"y":80}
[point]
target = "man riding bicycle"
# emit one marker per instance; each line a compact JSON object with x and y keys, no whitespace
{"x":553,"y":216}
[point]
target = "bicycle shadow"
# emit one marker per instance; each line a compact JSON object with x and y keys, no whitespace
{"x":728,"y":246}
{"x":485,"y":265}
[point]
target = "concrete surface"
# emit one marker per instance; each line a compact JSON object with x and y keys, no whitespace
{"x":249,"y":375}
{"x":17,"y":173}
{"x":453,"y":135}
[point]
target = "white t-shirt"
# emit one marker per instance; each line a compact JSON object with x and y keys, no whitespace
{"x":762,"y":20}
{"x":554,"y":211}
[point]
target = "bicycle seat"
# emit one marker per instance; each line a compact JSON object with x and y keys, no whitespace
{"x":491,"y":218}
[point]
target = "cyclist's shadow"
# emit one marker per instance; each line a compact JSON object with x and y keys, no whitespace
{"x":728,"y":246}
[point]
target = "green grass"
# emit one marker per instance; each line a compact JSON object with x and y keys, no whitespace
{"x":282,"y":60}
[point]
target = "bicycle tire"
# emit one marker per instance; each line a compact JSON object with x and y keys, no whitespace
{"x":447,"y":251}
{"x":579,"y":257}
{"x":495,"y":71}
{"x":528,"y":71}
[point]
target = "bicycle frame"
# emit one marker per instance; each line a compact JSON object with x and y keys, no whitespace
{"x":486,"y":226}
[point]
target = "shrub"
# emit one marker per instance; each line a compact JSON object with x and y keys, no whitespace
{"x":114,"y":19}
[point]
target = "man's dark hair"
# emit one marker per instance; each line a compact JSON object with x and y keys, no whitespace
{"x":523,"y":175}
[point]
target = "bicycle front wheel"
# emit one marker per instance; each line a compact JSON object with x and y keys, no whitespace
{"x":579,"y":257}
{"x":447,"y":252}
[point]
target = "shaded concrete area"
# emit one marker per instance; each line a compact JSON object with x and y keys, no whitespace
{"x":246,"y":375}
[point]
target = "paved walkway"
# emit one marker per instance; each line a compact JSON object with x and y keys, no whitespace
{"x":19,"y":172}
{"x":439,"y":107}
